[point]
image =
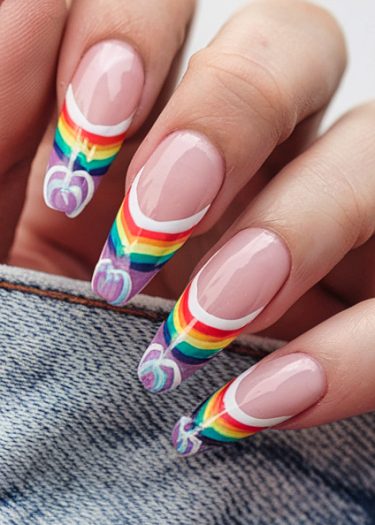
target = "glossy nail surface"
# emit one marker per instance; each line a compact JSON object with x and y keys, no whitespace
{"x":264,"y":396}
{"x":97,"y":111}
{"x":168,"y":197}
{"x":225,"y":296}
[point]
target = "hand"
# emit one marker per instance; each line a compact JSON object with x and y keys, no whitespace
{"x":285,"y":221}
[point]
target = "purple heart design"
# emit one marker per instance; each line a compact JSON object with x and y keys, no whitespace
{"x":68,"y":191}
{"x":157,"y":372}
{"x":113,"y":284}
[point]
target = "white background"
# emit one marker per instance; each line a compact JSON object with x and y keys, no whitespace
{"x":357,"y":18}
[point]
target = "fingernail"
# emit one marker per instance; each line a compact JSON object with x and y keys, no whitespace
{"x":227,"y":294}
{"x":264,"y":396}
{"x":168,"y":197}
{"x":98,"y":109}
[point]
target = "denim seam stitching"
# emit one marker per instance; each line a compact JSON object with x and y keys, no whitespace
{"x":154,"y":317}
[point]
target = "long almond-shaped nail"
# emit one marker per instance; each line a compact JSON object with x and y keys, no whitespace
{"x":228,"y":293}
{"x":168,"y":197}
{"x":264,"y":396}
{"x":97,"y":111}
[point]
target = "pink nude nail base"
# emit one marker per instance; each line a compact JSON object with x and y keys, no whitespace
{"x":97,"y":111}
{"x":228,"y":293}
{"x":266,"y":395}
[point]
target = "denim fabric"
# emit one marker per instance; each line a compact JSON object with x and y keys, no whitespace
{"x":81,"y":442}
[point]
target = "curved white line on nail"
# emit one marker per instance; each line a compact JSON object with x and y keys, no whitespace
{"x":141,"y":220}
{"x":98,"y":129}
{"x":90,"y":192}
{"x":212,"y":320}
{"x":231,"y":406}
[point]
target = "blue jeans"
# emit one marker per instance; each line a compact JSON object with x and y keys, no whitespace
{"x":81,"y":442}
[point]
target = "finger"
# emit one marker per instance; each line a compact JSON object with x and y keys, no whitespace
{"x":110,"y":75}
{"x":274,"y":253}
{"x":240,"y":98}
{"x":30,"y":33}
{"x":321,"y":205}
{"x":322,"y":376}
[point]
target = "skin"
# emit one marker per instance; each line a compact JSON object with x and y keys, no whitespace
{"x":318,"y":197}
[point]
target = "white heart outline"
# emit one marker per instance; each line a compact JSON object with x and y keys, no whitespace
{"x":161,"y":361}
{"x":120,"y":271}
{"x":187,"y":437}
{"x":79,"y":173}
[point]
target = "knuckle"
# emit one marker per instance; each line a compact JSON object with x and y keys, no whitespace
{"x":345,"y":202}
{"x":306,"y":12}
{"x":250,"y":86}
{"x":358,"y":126}
{"x":331,"y":189}
{"x":325,"y":18}
{"x":363,"y":319}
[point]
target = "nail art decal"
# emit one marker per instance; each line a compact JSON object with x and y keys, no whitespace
{"x":82,"y":153}
{"x":168,"y":197}
{"x":98,"y":109}
{"x":263,"y":396}
{"x":227,"y":294}
{"x":186,"y":341}
{"x":218,"y":421}
{"x":136,"y":249}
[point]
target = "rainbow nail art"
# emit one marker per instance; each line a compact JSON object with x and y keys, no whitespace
{"x":186,"y":341}
{"x":218,"y":421}
{"x":136,"y":249}
{"x":82,"y":153}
